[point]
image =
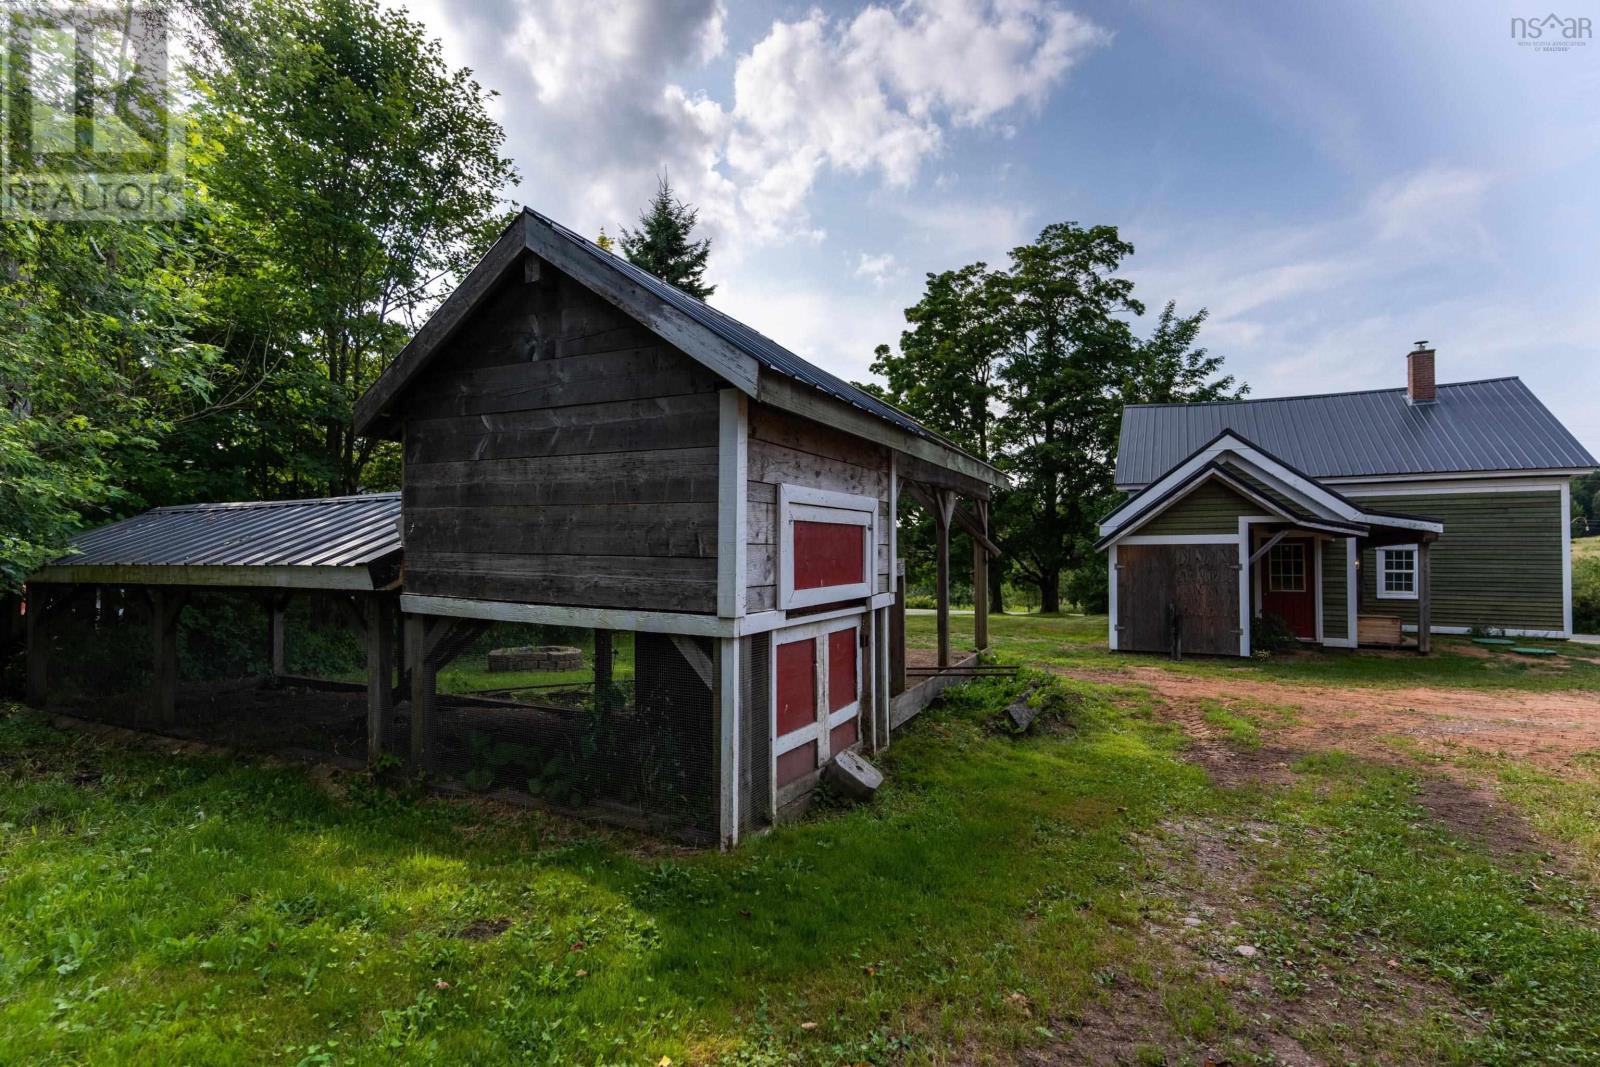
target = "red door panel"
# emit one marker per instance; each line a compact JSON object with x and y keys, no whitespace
{"x":797,"y":763}
{"x":797,"y":685}
{"x":844,"y":735}
{"x":827,"y":554}
{"x":842,"y":668}
{"x":1288,"y":586}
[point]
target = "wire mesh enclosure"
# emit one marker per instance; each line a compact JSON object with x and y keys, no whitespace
{"x":639,"y":750}
{"x":755,"y":734}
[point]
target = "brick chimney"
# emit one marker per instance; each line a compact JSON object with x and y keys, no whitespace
{"x":1419,"y":375}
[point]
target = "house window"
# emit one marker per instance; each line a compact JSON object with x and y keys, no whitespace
{"x":826,"y":546}
{"x":1397,"y":572}
{"x":1286,"y":568}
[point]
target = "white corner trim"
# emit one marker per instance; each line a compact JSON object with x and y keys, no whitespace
{"x":803,"y":503}
{"x":1244,"y":583}
{"x":1111,"y":584}
{"x":1566,"y":556}
{"x":733,"y":490}
{"x":1316,"y":567}
{"x":1352,"y":593}
{"x":730,"y":686}
{"x":1380,"y":563}
{"x":894,"y":520}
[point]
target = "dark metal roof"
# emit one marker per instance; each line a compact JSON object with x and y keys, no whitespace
{"x":346,"y":531}
{"x":1493,"y":425}
{"x":762,"y":349}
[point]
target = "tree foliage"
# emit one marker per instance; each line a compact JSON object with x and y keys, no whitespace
{"x":1032,"y":364}
{"x":351,"y":174}
{"x":664,"y":243}
{"x":97,"y":362}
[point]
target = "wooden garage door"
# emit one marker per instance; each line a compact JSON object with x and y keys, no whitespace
{"x":1201,"y":581}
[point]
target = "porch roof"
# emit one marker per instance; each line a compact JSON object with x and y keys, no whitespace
{"x":1280,"y":490}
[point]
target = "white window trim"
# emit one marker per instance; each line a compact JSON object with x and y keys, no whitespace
{"x":1383,"y":566}
{"x":802,"y":503}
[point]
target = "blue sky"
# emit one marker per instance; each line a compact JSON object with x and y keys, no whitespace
{"x":1333,"y":181}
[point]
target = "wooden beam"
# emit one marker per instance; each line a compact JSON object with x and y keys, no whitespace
{"x":38,"y":628}
{"x":380,"y":672}
{"x":228,"y":577}
{"x":945,"y":500}
{"x":980,"y":581}
{"x":917,"y":469}
{"x":664,"y":622}
{"x":1424,"y":599}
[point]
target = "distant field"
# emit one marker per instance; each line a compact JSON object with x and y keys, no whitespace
{"x":1586,"y":548}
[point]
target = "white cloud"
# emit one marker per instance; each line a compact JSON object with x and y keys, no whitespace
{"x":1437,"y":205}
{"x":876,"y":269}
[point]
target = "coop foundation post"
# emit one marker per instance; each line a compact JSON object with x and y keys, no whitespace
{"x":278,"y":631}
{"x":728,"y":747}
{"x":380,"y":673}
{"x":424,"y":690}
{"x":166,"y":607}
{"x":38,"y":636}
{"x":603,"y":652}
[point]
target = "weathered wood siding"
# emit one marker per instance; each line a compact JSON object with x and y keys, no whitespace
{"x":1200,"y":582}
{"x":1498,"y":562}
{"x":786,"y":448}
{"x":560,"y":453}
{"x":1335,"y":589}
{"x":1212,"y":508}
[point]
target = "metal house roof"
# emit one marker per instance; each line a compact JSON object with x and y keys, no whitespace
{"x":1492,"y":425}
{"x":205,"y":543}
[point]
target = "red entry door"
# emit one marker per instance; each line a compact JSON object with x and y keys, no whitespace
{"x":817,"y":691}
{"x":1288,"y":586}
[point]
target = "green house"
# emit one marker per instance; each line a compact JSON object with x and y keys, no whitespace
{"x":1352,"y":518}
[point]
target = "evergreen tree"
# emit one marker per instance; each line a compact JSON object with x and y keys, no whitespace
{"x":662,"y":244}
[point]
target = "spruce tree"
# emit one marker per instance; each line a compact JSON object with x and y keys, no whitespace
{"x":662,"y":244}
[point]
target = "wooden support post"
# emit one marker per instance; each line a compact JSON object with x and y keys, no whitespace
{"x":424,"y":686}
{"x":980,"y":582}
{"x":166,"y":606}
{"x":380,"y":672}
{"x":726,"y":689}
{"x":604,"y":653}
{"x":278,"y":635}
{"x":946,"y":501}
{"x":1424,"y":600}
{"x":897,"y":634}
{"x":38,"y":625}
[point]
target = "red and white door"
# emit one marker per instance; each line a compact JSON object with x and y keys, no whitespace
{"x":816,"y":699}
{"x":1288,"y":586}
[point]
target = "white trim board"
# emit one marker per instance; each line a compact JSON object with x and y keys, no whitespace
{"x":1457,"y":487}
{"x":1177,"y":539}
{"x":1464,"y":476}
{"x":1461,"y":631}
{"x":1566,"y":556}
{"x":1111,"y":599}
{"x":733,"y":492}
{"x":1379,"y":564}
{"x":801,"y":503}
{"x":659,"y":622}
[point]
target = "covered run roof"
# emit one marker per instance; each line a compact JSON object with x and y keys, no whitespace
{"x":1494,"y":425}
{"x":1275,"y":487}
{"x":725,"y":345}
{"x":349,"y":542}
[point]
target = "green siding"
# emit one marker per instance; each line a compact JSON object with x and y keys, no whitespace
{"x":1212,"y":508}
{"x":1498,"y":562}
{"x":1335,"y":589}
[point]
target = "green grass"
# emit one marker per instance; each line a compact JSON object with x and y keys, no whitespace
{"x":1079,"y":642}
{"x":163,"y":907}
{"x":222,"y":911}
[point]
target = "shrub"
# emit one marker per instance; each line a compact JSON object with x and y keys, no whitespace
{"x":1586,"y":595}
{"x":1087,"y":587}
{"x":1270,"y":633}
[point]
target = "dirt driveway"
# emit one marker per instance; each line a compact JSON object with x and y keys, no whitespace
{"x":1546,"y":728}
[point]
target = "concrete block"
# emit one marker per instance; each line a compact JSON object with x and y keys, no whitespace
{"x":853,"y":776}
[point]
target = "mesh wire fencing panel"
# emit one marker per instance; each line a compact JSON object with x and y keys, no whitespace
{"x":640,"y":751}
{"x":755,"y":734}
